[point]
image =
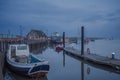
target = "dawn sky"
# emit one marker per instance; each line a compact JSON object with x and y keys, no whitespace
{"x":101,"y":18}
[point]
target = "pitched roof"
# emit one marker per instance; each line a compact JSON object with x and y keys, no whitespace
{"x":38,"y":32}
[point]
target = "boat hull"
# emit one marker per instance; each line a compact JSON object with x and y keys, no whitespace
{"x":38,"y":70}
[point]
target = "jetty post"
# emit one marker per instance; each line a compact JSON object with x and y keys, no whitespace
{"x":2,"y":65}
{"x":63,"y":39}
{"x":82,"y":40}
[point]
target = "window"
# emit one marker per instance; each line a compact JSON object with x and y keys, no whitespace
{"x":21,"y":47}
{"x":13,"y":51}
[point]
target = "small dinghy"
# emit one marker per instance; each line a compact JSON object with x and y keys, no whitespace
{"x":21,"y":61}
{"x":59,"y":48}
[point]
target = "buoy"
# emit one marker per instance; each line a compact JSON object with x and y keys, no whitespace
{"x":88,"y":50}
{"x":113,"y":55}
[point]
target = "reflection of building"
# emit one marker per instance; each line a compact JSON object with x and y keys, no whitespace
{"x":36,"y":35}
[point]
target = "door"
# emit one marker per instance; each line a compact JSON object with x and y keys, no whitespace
{"x":13,"y":51}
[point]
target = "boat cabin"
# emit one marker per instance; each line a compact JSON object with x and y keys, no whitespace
{"x":19,"y":52}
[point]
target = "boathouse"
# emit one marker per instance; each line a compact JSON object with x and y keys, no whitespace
{"x":36,"y":35}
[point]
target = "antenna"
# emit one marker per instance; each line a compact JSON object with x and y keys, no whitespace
{"x":21,"y":32}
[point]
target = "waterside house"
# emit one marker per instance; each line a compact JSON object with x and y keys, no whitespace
{"x":36,"y":36}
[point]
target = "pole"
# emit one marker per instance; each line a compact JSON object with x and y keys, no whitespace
{"x":82,"y":40}
{"x":64,"y":39}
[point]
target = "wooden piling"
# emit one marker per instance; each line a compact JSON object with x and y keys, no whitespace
{"x":2,"y":61}
{"x":82,"y":40}
{"x":64,"y":39}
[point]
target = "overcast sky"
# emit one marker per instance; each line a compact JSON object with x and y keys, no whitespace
{"x":101,"y":18}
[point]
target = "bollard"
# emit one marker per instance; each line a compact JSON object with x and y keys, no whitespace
{"x":113,"y":55}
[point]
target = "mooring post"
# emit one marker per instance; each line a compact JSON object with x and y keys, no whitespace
{"x":82,"y":40}
{"x":63,"y":39}
{"x":2,"y":61}
{"x":0,"y":46}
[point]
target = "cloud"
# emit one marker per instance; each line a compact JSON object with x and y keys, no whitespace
{"x":61,"y":15}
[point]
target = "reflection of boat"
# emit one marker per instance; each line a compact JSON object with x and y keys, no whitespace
{"x":13,"y":76}
{"x":21,"y":61}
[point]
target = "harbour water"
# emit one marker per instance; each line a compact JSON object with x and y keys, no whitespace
{"x":65,"y":67}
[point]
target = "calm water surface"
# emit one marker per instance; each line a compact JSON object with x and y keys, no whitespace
{"x":65,"y":67}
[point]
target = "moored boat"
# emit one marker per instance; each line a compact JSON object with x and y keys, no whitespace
{"x":21,"y":61}
{"x":59,"y":48}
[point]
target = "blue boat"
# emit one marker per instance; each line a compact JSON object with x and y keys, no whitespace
{"x":21,"y":61}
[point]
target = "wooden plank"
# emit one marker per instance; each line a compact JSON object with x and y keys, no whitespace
{"x":103,"y":60}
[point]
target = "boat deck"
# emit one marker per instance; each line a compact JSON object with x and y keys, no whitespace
{"x":21,"y":59}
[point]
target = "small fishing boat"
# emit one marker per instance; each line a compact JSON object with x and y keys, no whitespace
{"x":59,"y":48}
{"x":21,"y":61}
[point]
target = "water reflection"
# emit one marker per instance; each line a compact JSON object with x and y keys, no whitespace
{"x":52,"y":46}
{"x":82,"y":71}
{"x":105,"y":68}
{"x":38,"y":48}
{"x":13,"y":76}
{"x":88,"y":70}
{"x":82,"y":66}
{"x":63,"y":58}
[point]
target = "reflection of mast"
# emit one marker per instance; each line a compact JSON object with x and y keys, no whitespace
{"x":82,"y":71}
{"x":63,"y":58}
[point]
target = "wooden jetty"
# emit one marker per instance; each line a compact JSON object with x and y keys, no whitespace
{"x":99,"y":66}
{"x":97,"y":59}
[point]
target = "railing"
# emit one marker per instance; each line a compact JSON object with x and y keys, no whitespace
{"x":8,"y":36}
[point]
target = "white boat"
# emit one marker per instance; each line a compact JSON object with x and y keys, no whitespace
{"x":21,"y":61}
